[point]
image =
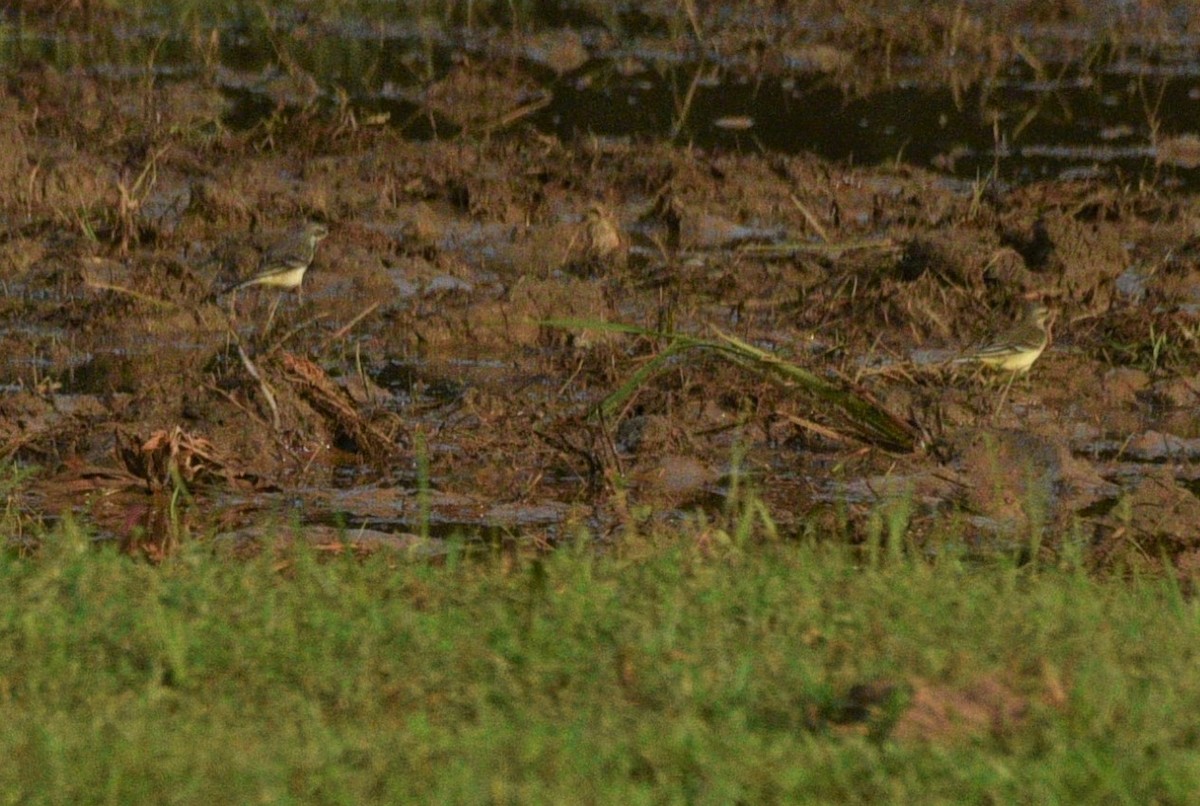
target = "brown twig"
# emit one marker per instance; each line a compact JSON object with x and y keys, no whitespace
{"x":346,"y":328}
{"x":268,"y":393}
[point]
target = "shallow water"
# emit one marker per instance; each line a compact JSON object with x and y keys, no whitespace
{"x":1051,"y":120}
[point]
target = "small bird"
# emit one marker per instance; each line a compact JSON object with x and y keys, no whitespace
{"x":284,"y":263}
{"x":1017,"y":348}
{"x":602,"y":236}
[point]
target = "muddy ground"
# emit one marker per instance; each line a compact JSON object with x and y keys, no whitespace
{"x":427,"y":372}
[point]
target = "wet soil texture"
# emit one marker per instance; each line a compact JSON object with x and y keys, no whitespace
{"x":523,"y":214}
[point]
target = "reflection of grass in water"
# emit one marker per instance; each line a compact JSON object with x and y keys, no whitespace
{"x":666,"y":669}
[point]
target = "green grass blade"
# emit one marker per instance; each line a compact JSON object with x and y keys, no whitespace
{"x":865,"y":419}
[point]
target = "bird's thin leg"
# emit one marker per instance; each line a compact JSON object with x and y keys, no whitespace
{"x":271,"y":316}
{"x":1003,"y":395}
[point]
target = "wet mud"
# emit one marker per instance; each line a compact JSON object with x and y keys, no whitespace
{"x":440,"y":373}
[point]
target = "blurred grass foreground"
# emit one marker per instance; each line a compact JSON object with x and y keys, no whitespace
{"x":702,"y":667}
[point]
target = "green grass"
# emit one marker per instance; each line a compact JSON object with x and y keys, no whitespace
{"x":661,"y":672}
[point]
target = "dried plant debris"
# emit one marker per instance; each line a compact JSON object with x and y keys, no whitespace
{"x":334,"y":403}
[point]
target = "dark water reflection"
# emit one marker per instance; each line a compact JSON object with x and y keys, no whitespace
{"x":1048,"y":120}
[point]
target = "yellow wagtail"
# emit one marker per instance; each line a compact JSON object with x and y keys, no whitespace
{"x":284,"y":263}
{"x":1017,"y":348}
